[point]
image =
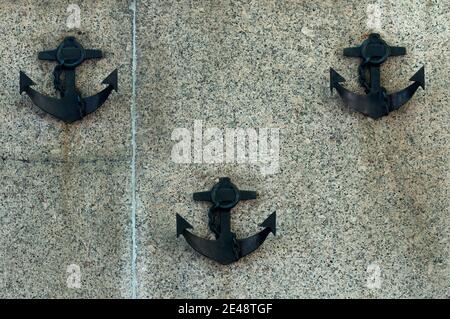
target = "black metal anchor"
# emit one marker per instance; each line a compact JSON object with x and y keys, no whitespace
{"x":71,"y":106}
{"x":226,"y":248}
{"x":377,"y":103}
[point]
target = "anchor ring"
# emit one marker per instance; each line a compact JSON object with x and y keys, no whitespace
{"x":70,"y":42}
{"x":377,"y":41}
{"x":224,"y":203}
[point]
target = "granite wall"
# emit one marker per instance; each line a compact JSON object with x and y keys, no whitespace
{"x":87,"y":210}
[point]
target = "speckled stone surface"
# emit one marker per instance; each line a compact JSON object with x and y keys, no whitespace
{"x":57,"y":214}
{"x":65,"y":189}
{"x":351,"y":192}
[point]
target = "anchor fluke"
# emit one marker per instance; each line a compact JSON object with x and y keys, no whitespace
{"x":24,"y":82}
{"x":182,"y":225}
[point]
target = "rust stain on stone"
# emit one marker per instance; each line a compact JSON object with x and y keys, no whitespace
{"x":66,"y":167}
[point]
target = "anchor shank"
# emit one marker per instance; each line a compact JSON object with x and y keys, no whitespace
{"x":69,"y":81}
{"x":375,"y":78}
{"x":69,"y":78}
{"x":225,"y":222}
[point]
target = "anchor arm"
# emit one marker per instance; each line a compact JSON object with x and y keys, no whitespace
{"x":92,"y":103}
{"x":226,"y":248}
{"x":353,"y":52}
{"x":206,"y":196}
{"x":69,"y":113}
{"x":396,"y":100}
{"x":252,"y":243}
{"x":50,"y":55}
{"x":70,"y":53}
